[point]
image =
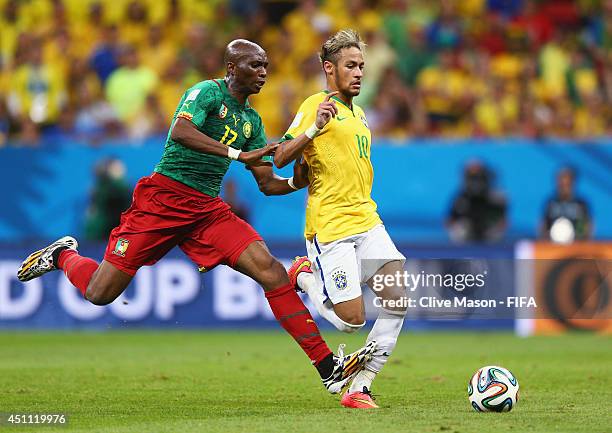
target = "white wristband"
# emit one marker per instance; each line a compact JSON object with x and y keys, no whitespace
{"x":233,"y":153}
{"x":291,"y":184}
{"x":312,"y":131}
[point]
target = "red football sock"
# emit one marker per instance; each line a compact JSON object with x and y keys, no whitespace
{"x":293,"y":315}
{"x":78,"y":269}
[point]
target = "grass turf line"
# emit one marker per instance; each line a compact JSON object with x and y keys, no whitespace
{"x":262,"y":382}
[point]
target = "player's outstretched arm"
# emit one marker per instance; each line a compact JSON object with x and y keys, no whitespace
{"x":188,"y":135}
{"x":292,"y":149}
{"x":272,"y":184}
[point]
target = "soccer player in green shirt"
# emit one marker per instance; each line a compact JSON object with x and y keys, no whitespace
{"x":179,"y":204}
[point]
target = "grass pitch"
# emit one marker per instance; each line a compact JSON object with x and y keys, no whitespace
{"x":261,"y":382}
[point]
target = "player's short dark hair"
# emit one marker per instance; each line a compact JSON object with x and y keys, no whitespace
{"x":343,"y":39}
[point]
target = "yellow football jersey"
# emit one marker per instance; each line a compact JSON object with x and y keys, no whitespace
{"x":341,"y":175}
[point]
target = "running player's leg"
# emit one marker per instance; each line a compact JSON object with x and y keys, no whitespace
{"x":377,"y":251}
{"x":141,"y":239}
{"x":232,"y":241}
{"x":289,"y":310}
{"x":100,"y":284}
{"x":333,"y":286}
{"x":61,"y":254}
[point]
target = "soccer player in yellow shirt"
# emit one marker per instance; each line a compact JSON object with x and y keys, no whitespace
{"x":346,"y":241}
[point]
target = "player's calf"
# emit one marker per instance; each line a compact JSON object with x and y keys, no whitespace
{"x":106,"y":284}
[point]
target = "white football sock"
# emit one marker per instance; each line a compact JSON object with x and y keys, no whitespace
{"x":363,"y":378}
{"x":308,"y":283}
{"x":385,"y":331}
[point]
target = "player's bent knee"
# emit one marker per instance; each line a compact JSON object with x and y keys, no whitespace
{"x":267,"y":261}
{"x":349,"y":328}
{"x":274,"y":271}
{"x":356,"y":319}
{"x":99,"y":295}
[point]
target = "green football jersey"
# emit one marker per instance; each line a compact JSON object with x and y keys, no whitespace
{"x":216,"y":113}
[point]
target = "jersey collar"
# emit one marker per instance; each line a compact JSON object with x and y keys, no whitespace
{"x":223,"y":86}
{"x":335,"y":98}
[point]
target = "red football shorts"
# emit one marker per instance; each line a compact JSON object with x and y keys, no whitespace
{"x":165,"y":213}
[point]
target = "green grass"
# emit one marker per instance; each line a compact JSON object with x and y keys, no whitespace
{"x":261,"y":382}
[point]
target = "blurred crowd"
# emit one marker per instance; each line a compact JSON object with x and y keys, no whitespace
{"x":96,"y":70}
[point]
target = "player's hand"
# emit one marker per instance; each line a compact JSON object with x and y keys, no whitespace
{"x":300,"y":173}
{"x":254,"y":156}
{"x":327,"y":109}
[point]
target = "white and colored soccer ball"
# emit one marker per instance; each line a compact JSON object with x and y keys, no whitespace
{"x":493,"y":389}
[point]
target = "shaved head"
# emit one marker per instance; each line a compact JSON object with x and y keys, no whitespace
{"x":245,"y":64}
{"x":239,"y":48}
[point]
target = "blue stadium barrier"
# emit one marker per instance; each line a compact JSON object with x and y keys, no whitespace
{"x":46,"y":189}
{"x":173,"y":294}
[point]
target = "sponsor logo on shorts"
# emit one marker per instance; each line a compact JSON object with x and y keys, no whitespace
{"x":121,"y":247}
{"x":247,"y":129}
{"x":222,"y":111}
{"x":340,"y":280}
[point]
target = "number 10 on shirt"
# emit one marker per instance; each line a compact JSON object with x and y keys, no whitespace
{"x":362,"y":145}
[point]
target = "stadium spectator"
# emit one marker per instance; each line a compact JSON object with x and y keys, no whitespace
{"x":533,"y":26}
{"x":173,"y":79}
{"x":395,"y":108}
{"x":105,"y":56}
{"x":478,"y":212}
{"x":566,"y":215}
{"x":128,"y":87}
{"x":90,"y":31}
{"x":380,"y":57}
{"x":159,"y":51}
{"x":460,"y":62}
{"x":12,"y":23}
{"x":135,"y":25}
{"x":37,"y":90}
{"x":151,"y":120}
{"x":446,"y":31}
{"x":443,"y":87}
{"x":95,"y":117}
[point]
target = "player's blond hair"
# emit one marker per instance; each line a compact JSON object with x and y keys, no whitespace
{"x":343,"y":39}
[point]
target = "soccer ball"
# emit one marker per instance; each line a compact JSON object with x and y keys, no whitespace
{"x":493,"y":389}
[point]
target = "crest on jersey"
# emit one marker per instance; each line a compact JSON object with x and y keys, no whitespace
{"x":222,"y":111}
{"x":364,"y":121}
{"x":340,"y":280}
{"x":247,"y":129}
{"x":121,"y":247}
